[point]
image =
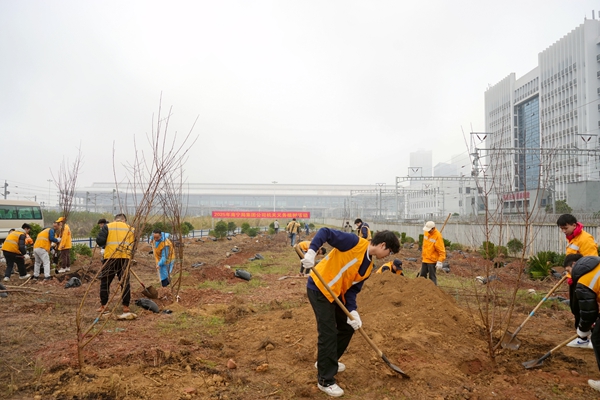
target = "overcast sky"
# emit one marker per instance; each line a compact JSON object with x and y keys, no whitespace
{"x":327,"y":92}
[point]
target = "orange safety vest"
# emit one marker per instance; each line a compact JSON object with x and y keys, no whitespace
{"x":583,"y":244}
{"x":11,"y":243}
{"x":65,"y":238}
{"x":433,"y":247}
{"x":119,"y":242}
{"x":158,"y":251}
{"x":592,"y":280}
{"x":43,"y":240}
{"x":340,"y":270}
{"x":388,"y":266}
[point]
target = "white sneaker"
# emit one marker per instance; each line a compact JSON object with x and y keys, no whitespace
{"x":25,"y":276}
{"x":341,"y":367}
{"x":594,"y":384}
{"x":63,"y":270}
{"x":6,"y":279}
{"x":332,"y":390}
{"x":580,"y":343}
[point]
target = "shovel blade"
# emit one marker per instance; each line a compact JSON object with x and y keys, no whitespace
{"x":537,"y":363}
{"x":510,"y":341}
{"x":394,"y":368}
{"x":150,"y":292}
{"x":533,"y":363}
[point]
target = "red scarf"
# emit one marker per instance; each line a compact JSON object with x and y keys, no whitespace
{"x":577,"y":231}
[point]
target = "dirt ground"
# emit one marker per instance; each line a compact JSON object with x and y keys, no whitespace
{"x":265,"y":328}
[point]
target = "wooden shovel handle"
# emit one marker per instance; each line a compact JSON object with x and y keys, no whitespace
{"x":137,"y":277}
{"x":339,"y":303}
{"x":443,"y":226}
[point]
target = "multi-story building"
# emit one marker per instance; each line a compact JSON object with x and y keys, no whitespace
{"x":541,"y":130}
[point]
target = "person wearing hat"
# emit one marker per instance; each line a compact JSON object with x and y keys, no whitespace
{"x":14,"y":249}
{"x":433,"y":253}
{"x":64,"y":246}
{"x":41,"y":251}
{"x":394,"y":266}
{"x":362,"y":229}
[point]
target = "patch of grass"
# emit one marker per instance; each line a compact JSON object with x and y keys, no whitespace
{"x":185,"y":323}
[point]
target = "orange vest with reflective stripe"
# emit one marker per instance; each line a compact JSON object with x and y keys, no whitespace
{"x":583,"y":244}
{"x":388,"y":266}
{"x":43,"y":240}
{"x":592,"y":280}
{"x":11,"y":243}
{"x":158,"y":251}
{"x":340,"y":269}
{"x":119,"y":242}
{"x":65,"y":238}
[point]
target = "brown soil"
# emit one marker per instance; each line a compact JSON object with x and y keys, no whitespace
{"x":267,"y":327}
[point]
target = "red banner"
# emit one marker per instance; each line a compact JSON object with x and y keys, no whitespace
{"x":261,"y":214}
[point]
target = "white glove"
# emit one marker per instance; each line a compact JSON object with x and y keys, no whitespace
{"x":356,"y":323}
{"x":58,"y":240}
{"x":102,"y":251}
{"x":439,"y":265}
{"x":309,"y":259}
{"x":583,"y":335}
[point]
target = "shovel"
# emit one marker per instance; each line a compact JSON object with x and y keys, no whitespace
{"x":149,"y":291}
{"x":509,"y":340}
{"x":291,"y":277}
{"x":361,"y":330}
{"x":540,"y":361}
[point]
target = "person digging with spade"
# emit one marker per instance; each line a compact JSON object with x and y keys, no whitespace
{"x":345,"y":270}
{"x":585,"y":272}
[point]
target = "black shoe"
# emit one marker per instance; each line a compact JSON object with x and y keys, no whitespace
{"x":35,"y":278}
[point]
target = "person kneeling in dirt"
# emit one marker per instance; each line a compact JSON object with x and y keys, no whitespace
{"x":301,"y":249}
{"x":164,"y":255}
{"x":346,"y":268}
{"x":394,"y":266}
{"x":117,"y":238}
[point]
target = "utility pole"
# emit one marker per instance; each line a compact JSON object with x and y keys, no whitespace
{"x":6,"y":192}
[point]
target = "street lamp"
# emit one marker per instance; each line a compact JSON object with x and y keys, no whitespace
{"x":274,"y":183}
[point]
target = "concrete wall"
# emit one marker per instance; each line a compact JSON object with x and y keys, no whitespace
{"x":542,"y":237}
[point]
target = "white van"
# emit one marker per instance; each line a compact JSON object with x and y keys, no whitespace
{"x":14,"y":213}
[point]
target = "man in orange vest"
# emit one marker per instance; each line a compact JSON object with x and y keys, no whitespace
{"x":585,"y":272}
{"x":345,"y":270}
{"x":433,"y":253}
{"x":14,"y":249}
{"x":64,"y":247}
{"x":41,"y":251}
{"x":394,"y":266}
{"x":117,"y":239}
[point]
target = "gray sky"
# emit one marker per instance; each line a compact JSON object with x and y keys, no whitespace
{"x":291,"y":91}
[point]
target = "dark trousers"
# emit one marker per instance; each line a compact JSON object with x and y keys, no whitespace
{"x":65,"y":258}
{"x":429,"y":269}
{"x":334,"y":335}
{"x":11,"y":259}
{"x":114,"y":267}
{"x":596,"y":341}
